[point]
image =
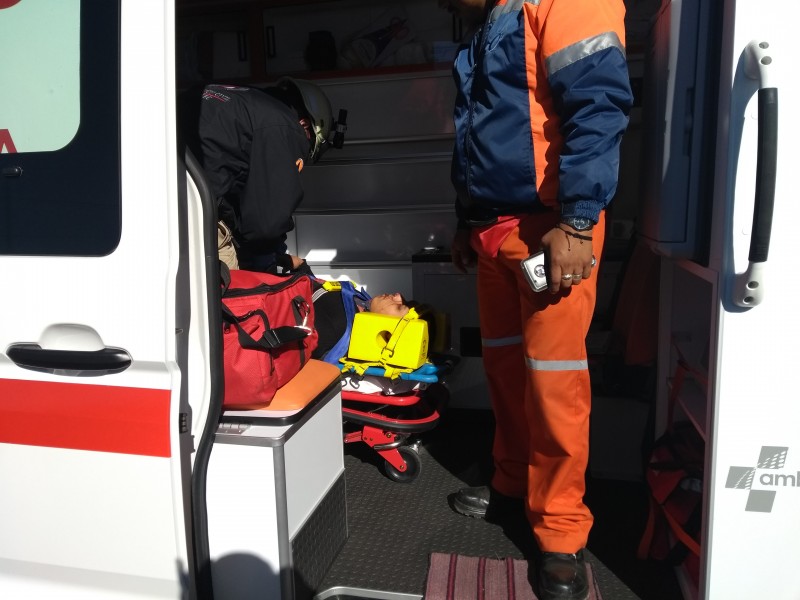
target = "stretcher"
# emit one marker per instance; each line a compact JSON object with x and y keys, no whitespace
{"x":391,"y":389}
{"x":390,"y":422}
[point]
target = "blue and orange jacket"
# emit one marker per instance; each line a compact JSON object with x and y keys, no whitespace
{"x":543,"y":96}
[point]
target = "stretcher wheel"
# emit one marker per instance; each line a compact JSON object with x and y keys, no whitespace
{"x":413,"y":466}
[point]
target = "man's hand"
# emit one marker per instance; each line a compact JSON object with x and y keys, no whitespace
{"x":570,"y":257}
{"x":289,"y":263}
{"x":461,"y":253}
{"x":296,"y":261}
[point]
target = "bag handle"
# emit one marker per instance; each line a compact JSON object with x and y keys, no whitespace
{"x":271,"y":339}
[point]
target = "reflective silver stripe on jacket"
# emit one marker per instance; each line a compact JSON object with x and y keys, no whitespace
{"x":578,"y":50}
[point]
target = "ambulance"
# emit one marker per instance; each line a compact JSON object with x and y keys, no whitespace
{"x":121,"y":477}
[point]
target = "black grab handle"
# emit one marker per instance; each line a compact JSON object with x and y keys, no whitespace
{"x":766,"y":170}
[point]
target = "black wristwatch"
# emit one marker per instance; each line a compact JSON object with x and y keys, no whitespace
{"x":578,"y":223}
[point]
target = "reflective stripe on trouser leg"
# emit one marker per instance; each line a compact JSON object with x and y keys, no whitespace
{"x":555,"y":388}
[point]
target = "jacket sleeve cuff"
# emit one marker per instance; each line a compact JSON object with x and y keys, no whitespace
{"x":583,"y":209}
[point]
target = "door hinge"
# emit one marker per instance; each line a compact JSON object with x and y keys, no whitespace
{"x":183,"y":423}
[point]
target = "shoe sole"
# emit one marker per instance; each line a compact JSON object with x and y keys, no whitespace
{"x":561,"y":597}
{"x":462,"y":509}
{"x":582,"y":596}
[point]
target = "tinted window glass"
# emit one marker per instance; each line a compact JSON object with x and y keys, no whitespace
{"x":59,"y":127}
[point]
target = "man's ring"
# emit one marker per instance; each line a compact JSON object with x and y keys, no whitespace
{"x":566,"y":277}
{"x":577,"y":276}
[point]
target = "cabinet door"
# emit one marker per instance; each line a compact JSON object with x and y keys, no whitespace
{"x":230,"y":55}
{"x":213,"y":47}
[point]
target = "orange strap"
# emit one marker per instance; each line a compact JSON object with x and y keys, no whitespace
{"x":643,"y":551}
{"x":681,"y":534}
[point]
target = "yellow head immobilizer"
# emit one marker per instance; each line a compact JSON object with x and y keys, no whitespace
{"x":382,"y":340}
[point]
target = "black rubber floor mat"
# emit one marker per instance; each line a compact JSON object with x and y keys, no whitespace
{"x":394,"y":527}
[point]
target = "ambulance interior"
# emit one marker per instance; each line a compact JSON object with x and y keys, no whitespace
{"x":379,"y":212}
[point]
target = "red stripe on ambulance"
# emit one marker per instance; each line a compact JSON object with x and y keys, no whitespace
{"x":85,"y":417}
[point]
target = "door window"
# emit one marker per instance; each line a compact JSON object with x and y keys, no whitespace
{"x":59,"y":127}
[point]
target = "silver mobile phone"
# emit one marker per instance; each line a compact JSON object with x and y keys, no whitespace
{"x":534,"y":270}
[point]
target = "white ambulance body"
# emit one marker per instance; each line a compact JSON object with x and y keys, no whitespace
{"x":110,"y":397}
{"x":96,"y":443}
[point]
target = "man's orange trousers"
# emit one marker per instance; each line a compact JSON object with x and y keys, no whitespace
{"x":534,"y":353}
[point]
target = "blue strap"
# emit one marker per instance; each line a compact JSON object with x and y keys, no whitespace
{"x":348,"y":293}
{"x":427,"y":373}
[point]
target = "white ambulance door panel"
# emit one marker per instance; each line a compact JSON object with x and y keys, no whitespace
{"x":93,"y":435}
{"x":754,"y":486}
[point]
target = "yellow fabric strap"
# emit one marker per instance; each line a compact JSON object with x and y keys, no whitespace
{"x":349,"y":365}
{"x":336,"y":286}
{"x":360,"y":367}
{"x":388,"y":350}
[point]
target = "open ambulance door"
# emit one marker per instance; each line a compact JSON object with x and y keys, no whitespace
{"x":105,"y":345}
{"x":754,"y":480}
{"x":733,"y":316}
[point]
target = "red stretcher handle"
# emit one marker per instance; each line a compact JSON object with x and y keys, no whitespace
{"x":394,"y":400}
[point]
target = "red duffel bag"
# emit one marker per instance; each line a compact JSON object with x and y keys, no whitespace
{"x":268,"y":334}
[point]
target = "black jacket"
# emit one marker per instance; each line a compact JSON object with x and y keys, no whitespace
{"x":253,"y":149}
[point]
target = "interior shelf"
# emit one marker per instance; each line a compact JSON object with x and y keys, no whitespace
{"x":691,"y":398}
{"x":688,"y":306}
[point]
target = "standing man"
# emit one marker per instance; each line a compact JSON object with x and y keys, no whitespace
{"x":542,"y":101}
{"x":254,"y":143}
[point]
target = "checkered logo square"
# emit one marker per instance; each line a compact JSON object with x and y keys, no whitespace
{"x":741,"y":478}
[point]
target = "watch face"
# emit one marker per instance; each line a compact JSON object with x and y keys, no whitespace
{"x":579,"y":223}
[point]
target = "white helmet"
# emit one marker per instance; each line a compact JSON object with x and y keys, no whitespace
{"x":319,"y":109}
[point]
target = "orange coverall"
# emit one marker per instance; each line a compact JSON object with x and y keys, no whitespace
{"x":542,"y":100}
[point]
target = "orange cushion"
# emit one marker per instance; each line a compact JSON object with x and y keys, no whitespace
{"x":313,"y":379}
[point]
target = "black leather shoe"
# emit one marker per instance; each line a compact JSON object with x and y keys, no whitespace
{"x":478,"y":501}
{"x":472,"y":501}
{"x":563,"y":576}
